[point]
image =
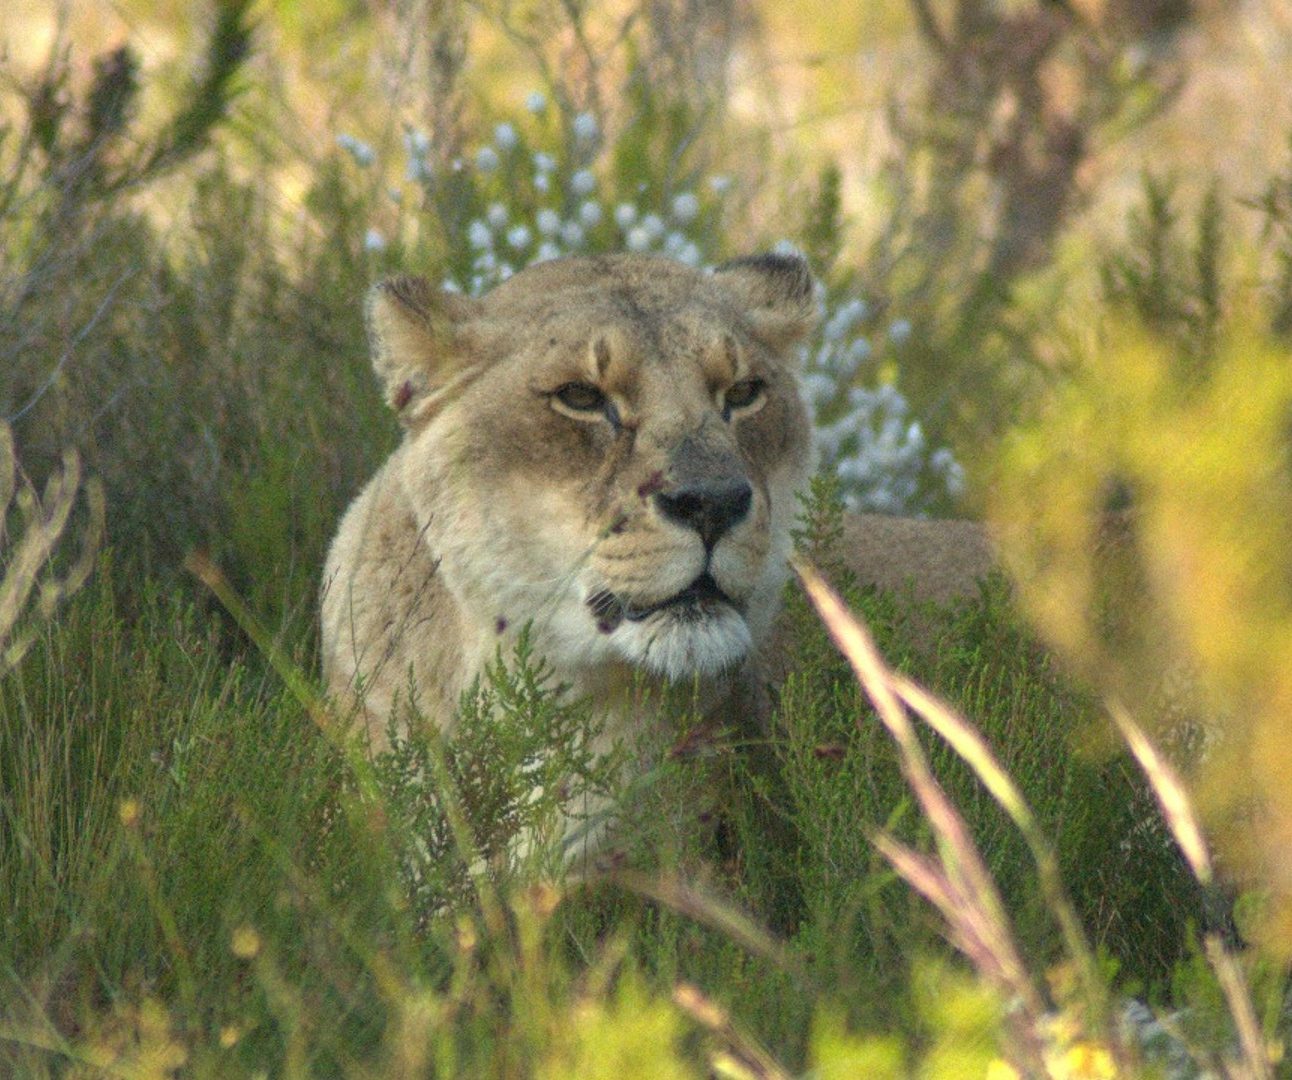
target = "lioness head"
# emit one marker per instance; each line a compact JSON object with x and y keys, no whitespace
{"x":608,"y":448}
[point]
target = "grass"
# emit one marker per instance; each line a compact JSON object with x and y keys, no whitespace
{"x":165,"y":794}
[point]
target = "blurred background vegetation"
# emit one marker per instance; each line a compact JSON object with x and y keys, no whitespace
{"x":1054,"y":241}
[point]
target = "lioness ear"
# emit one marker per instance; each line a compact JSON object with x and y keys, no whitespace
{"x":776,"y":292}
{"x":415,"y":333}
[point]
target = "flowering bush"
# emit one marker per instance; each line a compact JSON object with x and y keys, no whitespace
{"x":542,"y":188}
{"x":535,"y":191}
{"x":865,"y":433}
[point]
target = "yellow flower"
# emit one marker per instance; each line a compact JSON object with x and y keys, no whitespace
{"x":1002,"y":1070}
{"x":128,"y":811}
{"x":1086,"y":1061}
{"x":245,"y":943}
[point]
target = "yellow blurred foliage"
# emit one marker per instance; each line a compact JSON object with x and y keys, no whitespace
{"x":620,"y":1036}
{"x":1180,"y":605}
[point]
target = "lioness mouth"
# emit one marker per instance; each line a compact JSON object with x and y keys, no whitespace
{"x":610,"y":610}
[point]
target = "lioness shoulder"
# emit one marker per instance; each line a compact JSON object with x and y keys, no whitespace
{"x":608,"y":450}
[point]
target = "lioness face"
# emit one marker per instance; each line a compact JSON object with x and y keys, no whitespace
{"x":608,"y":449}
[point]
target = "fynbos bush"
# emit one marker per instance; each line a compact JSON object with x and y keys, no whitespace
{"x":516,"y":775}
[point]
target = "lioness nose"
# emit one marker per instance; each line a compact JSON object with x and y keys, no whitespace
{"x":710,"y":507}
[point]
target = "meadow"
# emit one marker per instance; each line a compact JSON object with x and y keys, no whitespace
{"x":1046,"y":835}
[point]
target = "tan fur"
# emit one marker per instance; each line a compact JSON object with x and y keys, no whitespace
{"x":506,"y":506}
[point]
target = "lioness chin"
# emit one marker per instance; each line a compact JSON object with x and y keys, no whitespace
{"x":608,"y":450}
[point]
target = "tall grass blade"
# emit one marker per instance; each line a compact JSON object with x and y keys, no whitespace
{"x":1255,"y":1060}
{"x":1171,"y":795}
{"x":982,"y":915}
{"x":696,"y":903}
{"x":965,"y":740}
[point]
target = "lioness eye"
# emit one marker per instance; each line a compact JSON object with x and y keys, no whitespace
{"x":744,"y":393}
{"x":581,"y":397}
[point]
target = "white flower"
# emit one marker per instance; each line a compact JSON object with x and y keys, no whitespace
{"x":638,"y":239}
{"x":416,"y":142}
{"x":535,"y":102}
{"x":899,"y":330}
{"x":720,"y":185}
{"x":625,"y":215}
{"x":818,"y":387}
{"x":505,"y":271}
{"x":590,"y":213}
{"x":786,"y":247}
{"x":373,"y":240}
{"x":544,"y":162}
{"x":542,"y":182}
{"x":485,"y":262}
{"x":548,"y":221}
{"x":952,"y":472}
{"x":845,"y":317}
{"x":689,"y":255}
{"x":890,"y":399}
{"x":585,"y":127}
{"x":518,"y":237}
{"x":546,"y":251}
{"x":858,"y":353}
{"x":449,"y":285}
{"x":479,"y":235}
{"x":674,"y":242}
{"x":497,"y":215}
{"x":572,"y":234}
{"x":416,"y":170}
{"x":504,"y":137}
{"x":583,"y":182}
{"x":685,"y":207}
{"x":487,"y":159}
{"x":654,"y":226}
{"x":362,"y":153}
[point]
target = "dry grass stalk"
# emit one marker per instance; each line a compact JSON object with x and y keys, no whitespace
{"x":1182,"y":820}
{"x":1177,"y":810}
{"x":965,"y":740}
{"x":956,"y":881}
{"x":695,"y":902}
{"x":25,"y":556}
{"x":1255,"y":1063}
{"x":951,"y":881}
{"x":745,"y":1057}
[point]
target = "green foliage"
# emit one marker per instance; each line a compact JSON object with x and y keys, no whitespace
{"x":823,"y":226}
{"x":126,"y":736}
{"x":87,"y":151}
{"x":519,"y":771}
{"x":1171,"y":286}
{"x":217,"y":405}
{"x":841,"y":781}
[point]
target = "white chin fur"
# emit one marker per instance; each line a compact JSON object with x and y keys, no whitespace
{"x":678,"y":647}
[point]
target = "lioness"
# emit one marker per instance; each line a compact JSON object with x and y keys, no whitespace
{"x":608,"y":449}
